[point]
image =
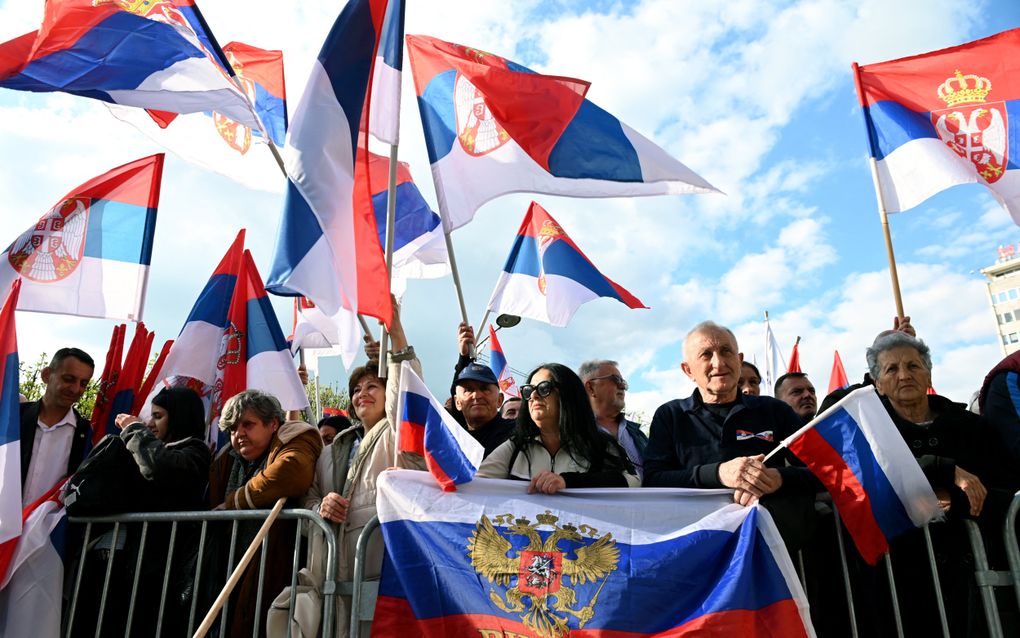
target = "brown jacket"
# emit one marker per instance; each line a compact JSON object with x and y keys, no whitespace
{"x":289,"y":471}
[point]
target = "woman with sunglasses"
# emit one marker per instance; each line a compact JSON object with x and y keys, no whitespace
{"x":556,"y":443}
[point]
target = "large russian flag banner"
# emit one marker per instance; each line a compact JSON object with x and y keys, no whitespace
{"x":89,"y":256}
{"x":494,"y":127}
{"x":451,"y":454}
{"x":144,"y":54}
{"x":944,"y":118}
{"x":491,"y":560}
{"x":856,"y":452}
{"x":546,"y":276}
{"x":216,"y":142}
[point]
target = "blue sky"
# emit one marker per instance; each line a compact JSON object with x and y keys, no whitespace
{"x":757,"y":97}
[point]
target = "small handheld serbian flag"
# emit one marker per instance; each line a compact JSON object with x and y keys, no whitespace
{"x":499,"y":366}
{"x":855,"y":451}
{"x":547,"y":277}
{"x":451,"y":454}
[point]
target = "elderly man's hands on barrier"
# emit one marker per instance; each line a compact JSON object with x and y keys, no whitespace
{"x":546,"y":482}
{"x":973,"y":488}
{"x":749,"y":477}
{"x":465,"y":339}
{"x":334,"y":508}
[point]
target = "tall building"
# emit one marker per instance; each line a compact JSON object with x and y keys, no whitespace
{"x":1004,"y":294}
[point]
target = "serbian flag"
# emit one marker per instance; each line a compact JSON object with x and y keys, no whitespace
{"x":384,"y":118}
{"x":193,"y":357}
{"x":327,"y":248}
{"x":547,"y":277}
{"x":494,"y":127}
{"x":218,"y":143}
{"x":10,"y":431}
{"x":32,"y":571}
{"x":490,"y":560}
{"x":497,"y":361}
{"x":120,"y":392}
{"x":856,"y":452}
{"x":254,"y":353}
{"x":451,"y":454}
{"x":327,"y":411}
{"x":837,"y":380}
{"x":136,"y":54}
{"x":794,"y":358}
{"x":944,"y":118}
{"x":89,"y":255}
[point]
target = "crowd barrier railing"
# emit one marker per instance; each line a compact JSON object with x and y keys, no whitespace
{"x":122,"y":523}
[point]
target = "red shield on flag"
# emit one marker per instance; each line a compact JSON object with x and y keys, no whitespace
{"x":53,"y":248}
{"x":978,"y":133}
{"x":539,"y":573}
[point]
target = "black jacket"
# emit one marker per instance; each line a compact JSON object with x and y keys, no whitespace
{"x":29,"y":425}
{"x":688,"y":442}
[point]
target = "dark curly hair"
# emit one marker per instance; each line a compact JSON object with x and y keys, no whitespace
{"x":579,"y":435}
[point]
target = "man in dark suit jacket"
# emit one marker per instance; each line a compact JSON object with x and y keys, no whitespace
{"x":54,"y":437}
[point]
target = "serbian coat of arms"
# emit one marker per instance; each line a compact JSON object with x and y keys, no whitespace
{"x":973,"y":127}
{"x":52,"y":250}
{"x":478,"y":131}
{"x":544,"y":576}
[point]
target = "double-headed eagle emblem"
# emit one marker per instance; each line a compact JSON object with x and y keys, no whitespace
{"x":541,"y":569}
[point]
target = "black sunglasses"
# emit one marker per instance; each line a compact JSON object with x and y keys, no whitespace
{"x":542,"y":389}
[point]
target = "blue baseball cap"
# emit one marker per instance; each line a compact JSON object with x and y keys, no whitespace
{"x":477,"y":372}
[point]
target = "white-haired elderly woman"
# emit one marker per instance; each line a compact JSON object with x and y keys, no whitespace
{"x":961,"y":455}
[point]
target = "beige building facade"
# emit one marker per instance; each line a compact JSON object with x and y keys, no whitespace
{"x":1004,"y":295}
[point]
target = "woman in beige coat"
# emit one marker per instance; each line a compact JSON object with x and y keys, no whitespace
{"x":344,"y":489}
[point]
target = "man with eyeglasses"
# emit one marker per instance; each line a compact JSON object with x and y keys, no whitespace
{"x":607,"y":391}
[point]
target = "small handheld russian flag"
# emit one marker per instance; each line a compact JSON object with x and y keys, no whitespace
{"x":426,"y":428}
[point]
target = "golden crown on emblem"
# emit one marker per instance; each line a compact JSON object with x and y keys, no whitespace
{"x":957,"y":90}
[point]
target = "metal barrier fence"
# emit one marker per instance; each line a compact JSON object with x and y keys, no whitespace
{"x":363,"y":593}
{"x":123,"y":523}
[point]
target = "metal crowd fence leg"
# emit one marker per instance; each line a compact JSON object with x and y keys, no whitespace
{"x":77,"y":579}
{"x":134,"y":583}
{"x":195,"y":592}
{"x":1009,"y":538}
{"x":892,"y":592}
{"x":293,"y":579}
{"x":230,"y":568}
{"x":106,"y":580}
{"x":329,"y":585}
{"x":166,"y":579}
{"x":936,"y":582}
{"x":846,"y":573}
{"x":360,"y":553}
{"x":262,"y":581}
{"x":986,"y":579}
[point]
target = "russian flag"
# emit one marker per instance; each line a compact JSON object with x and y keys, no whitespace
{"x":547,"y":277}
{"x":216,"y":142}
{"x":328,"y":248}
{"x":837,"y":379}
{"x":145,"y":55}
{"x":944,"y":118}
{"x":494,"y":127}
{"x":10,"y":431}
{"x":491,"y":560}
{"x":255,"y":354}
{"x":856,"y":452}
{"x":89,"y":256}
{"x":451,"y":454}
{"x":499,"y":366}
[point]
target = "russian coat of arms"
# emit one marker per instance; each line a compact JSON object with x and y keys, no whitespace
{"x":542,"y":572}
{"x":973,"y":128}
{"x":52,"y":249}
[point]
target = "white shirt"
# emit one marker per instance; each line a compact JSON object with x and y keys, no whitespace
{"x":50,"y":451}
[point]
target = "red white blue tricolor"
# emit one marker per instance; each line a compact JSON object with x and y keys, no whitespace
{"x":491,"y":560}
{"x":500,"y":368}
{"x":10,"y":432}
{"x":89,"y":255}
{"x":451,"y":454}
{"x":944,"y":118}
{"x":856,"y":452}
{"x":494,"y":127}
{"x":136,"y":54}
{"x":547,"y":277}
